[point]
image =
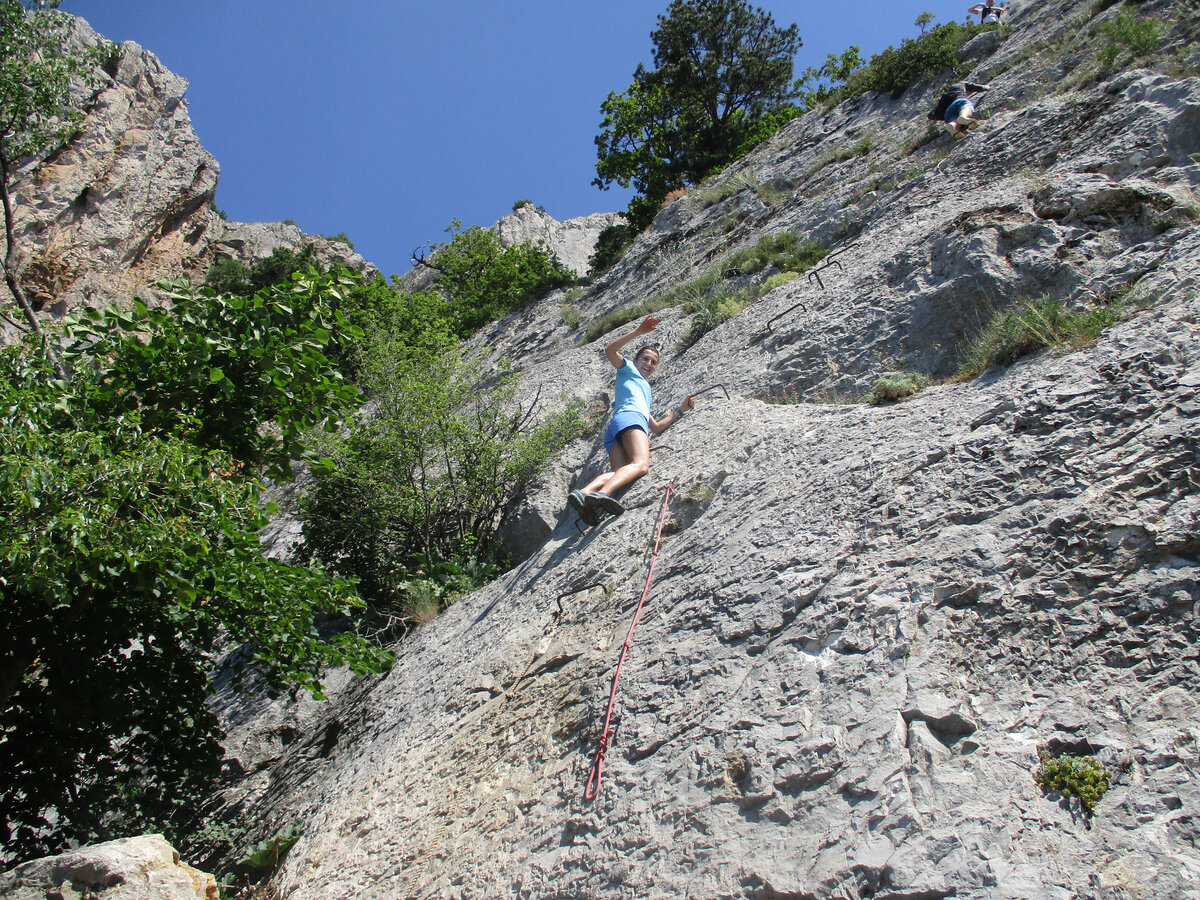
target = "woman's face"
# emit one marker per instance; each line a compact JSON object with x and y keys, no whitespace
{"x":646,"y":362}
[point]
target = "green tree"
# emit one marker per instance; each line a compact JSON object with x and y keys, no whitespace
{"x":424,"y":479}
{"x":130,"y":557}
{"x":37,"y":114}
{"x":722,"y":67}
{"x":486,"y":280}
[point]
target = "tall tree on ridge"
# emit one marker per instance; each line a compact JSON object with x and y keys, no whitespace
{"x":721,"y":68}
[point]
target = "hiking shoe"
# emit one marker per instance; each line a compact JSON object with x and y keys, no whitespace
{"x":603,"y":501}
{"x":579,"y":503}
{"x":974,"y":123}
{"x":960,"y":134}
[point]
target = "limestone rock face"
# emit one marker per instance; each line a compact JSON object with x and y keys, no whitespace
{"x":573,"y":241}
{"x":129,"y":201}
{"x":140,"y":868}
{"x":865,"y":623}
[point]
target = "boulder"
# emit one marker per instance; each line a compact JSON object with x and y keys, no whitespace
{"x":137,"y":868}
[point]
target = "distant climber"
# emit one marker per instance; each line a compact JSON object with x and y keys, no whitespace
{"x":955,"y":109}
{"x":627,"y":438}
{"x":987,"y":12}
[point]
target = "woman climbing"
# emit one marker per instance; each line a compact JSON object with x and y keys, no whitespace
{"x":627,"y":439}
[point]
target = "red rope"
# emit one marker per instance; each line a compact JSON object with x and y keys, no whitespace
{"x":592,"y":788}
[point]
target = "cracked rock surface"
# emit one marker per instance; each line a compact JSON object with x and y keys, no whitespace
{"x":866,"y":623}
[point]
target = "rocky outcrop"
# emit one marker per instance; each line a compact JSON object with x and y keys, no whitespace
{"x":130,"y":200}
{"x":140,"y":868}
{"x":866,"y":623}
{"x":572,"y":241}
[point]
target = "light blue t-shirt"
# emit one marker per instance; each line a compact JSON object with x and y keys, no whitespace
{"x":633,"y":391}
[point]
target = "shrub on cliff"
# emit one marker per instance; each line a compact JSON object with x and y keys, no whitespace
{"x":130,"y":556}
{"x":414,"y":490}
{"x":893,"y":71}
{"x":486,"y":280}
{"x":1033,"y":326}
{"x":231,"y":276}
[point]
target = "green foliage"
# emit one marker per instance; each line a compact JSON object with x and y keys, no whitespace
{"x":36,"y":68}
{"x":770,"y":123}
{"x":570,"y":315}
{"x":1083,"y":777}
{"x":1031,"y":327}
{"x":610,"y":247}
{"x":129,"y":556}
{"x":721,"y":84}
{"x":520,"y":204}
{"x":819,"y":86}
{"x":266,"y":856}
{"x":923,"y":20}
{"x":1127,"y":33}
{"x":340,"y":238}
{"x":707,"y":294}
{"x":420,"y":484}
{"x":218,"y":370}
{"x":896,"y":386}
{"x":485,"y":280}
{"x":230,"y":276}
{"x":896,"y":69}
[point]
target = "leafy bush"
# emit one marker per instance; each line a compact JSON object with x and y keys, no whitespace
{"x":218,"y":370}
{"x":1083,"y":777}
{"x":898,"y":386}
{"x":486,"y":281}
{"x":415,"y":490}
{"x":129,"y":558}
{"x":767,"y":126}
{"x":821,"y":85}
{"x":896,"y":69}
{"x":610,"y":247}
{"x":1031,"y":327}
{"x":230,"y":276}
{"x":1127,"y":33}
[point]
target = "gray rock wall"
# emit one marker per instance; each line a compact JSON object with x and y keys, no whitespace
{"x":865,"y":622}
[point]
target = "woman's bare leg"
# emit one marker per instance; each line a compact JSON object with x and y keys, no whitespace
{"x":634,"y":461}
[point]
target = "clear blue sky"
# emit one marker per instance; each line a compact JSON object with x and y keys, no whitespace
{"x":385,"y":119}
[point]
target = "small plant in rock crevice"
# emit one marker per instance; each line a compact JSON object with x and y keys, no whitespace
{"x":1127,"y":33}
{"x":1082,"y":777}
{"x":1032,"y":326}
{"x":896,"y":386}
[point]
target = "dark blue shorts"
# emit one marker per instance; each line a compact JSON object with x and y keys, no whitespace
{"x":955,"y":108}
{"x":622,"y":421}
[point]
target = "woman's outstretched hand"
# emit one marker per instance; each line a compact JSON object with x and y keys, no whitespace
{"x":648,"y":324}
{"x":688,"y":404}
